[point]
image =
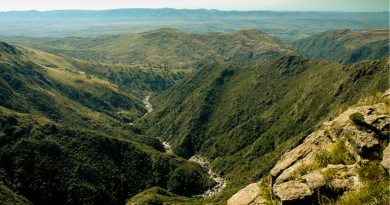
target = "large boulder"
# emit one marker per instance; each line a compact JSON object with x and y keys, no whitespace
{"x":293,"y":192}
{"x":247,"y":196}
{"x":363,"y":142}
{"x":312,"y":142}
{"x":314,"y":180}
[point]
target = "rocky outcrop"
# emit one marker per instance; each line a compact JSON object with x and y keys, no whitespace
{"x":246,"y":196}
{"x":306,"y":170}
{"x":312,"y":142}
{"x":293,"y":192}
{"x":314,"y":180}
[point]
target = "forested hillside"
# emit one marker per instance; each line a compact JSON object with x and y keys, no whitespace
{"x":242,"y":119}
{"x":345,"y":46}
{"x":65,"y":138}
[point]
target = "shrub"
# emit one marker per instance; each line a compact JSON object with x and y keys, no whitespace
{"x":356,"y":117}
{"x":265,"y":192}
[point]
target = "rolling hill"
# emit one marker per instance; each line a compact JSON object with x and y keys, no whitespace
{"x":345,"y":46}
{"x":173,"y":48}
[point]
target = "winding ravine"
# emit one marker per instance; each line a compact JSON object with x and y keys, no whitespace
{"x":204,"y":163}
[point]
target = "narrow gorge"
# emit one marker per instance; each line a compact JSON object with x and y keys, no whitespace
{"x":202,"y":161}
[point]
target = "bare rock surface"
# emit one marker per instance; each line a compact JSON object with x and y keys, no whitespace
{"x":312,"y":142}
{"x":246,"y":196}
{"x":293,"y":192}
{"x":314,"y":180}
{"x":361,"y":140}
{"x":386,"y":159}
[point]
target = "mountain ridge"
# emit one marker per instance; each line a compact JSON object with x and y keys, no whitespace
{"x":346,"y":46}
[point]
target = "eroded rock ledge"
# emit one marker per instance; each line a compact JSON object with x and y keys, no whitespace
{"x":300,"y":175}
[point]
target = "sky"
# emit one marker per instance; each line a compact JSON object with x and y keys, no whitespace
{"x":226,"y":5}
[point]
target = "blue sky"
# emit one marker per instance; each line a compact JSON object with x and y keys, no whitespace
{"x":243,"y":5}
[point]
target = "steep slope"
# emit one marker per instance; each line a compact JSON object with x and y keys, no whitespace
{"x":174,"y":48}
{"x":51,"y":164}
{"x":242,"y":119}
{"x":66,"y":96}
{"x":344,"y":162}
{"x":65,"y":138}
{"x":345,"y":46}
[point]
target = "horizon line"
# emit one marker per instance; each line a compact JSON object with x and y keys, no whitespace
{"x":320,"y":11}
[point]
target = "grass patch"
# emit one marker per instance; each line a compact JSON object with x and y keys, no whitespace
{"x":265,"y":192}
{"x":376,"y":186}
{"x":336,"y":154}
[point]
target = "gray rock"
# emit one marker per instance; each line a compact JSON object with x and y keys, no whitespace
{"x":339,"y":184}
{"x":313,"y":141}
{"x":363,"y":142}
{"x":293,"y":192}
{"x":314,"y":180}
{"x":246,"y":196}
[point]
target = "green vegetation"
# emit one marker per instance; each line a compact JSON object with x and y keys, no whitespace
{"x":8,"y":197}
{"x":156,"y":196}
{"x":345,"y":46}
{"x":65,"y":138}
{"x":243,"y":119}
{"x":51,"y":164}
{"x":265,"y":192}
{"x":376,"y":189}
{"x":172,"y":49}
{"x":73,"y":130}
{"x":336,"y":154}
{"x":357,"y":117}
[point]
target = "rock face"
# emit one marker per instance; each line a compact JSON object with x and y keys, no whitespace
{"x":293,"y":192}
{"x":314,"y":180}
{"x":299,"y":175}
{"x":312,"y":142}
{"x":246,"y":196}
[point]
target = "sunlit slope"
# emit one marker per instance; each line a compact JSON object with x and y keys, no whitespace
{"x":345,"y":46}
{"x":174,"y":48}
{"x":46,"y":85}
{"x":243,"y":118}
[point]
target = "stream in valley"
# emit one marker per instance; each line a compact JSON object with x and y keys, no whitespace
{"x":204,"y":163}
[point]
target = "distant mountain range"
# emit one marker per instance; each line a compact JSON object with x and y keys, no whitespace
{"x":86,"y":23}
{"x":167,"y":13}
